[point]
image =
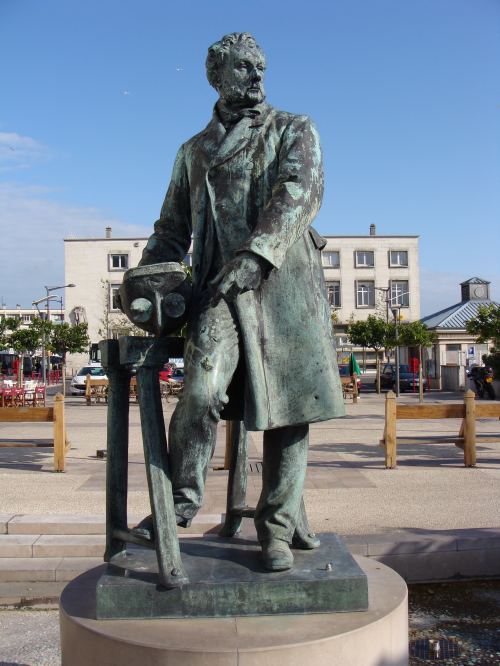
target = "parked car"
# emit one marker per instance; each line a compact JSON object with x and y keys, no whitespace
{"x":345,"y":372}
{"x":408,"y":380}
{"x":178,"y":375}
{"x":77,"y":386}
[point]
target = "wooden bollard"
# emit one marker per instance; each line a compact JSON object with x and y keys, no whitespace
{"x":390,"y":430}
{"x":470,"y":429}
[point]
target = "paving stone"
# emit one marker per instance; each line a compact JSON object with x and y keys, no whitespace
{"x":28,"y":569}
{"x":32,"y":594}
{"x":4,"y":520}
{"x":403,"y":546}
{"x":69,"y":545}
{"x":17,"y":545}
{"x":57,"y":524}
{"x":70,"y":567}
{"x":442,"y":566}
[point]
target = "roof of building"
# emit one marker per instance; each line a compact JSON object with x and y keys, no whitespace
{"x":475,"y":280}
{"x":456,"y":316}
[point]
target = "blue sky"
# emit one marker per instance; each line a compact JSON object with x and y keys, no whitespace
{"x":96,"y":97}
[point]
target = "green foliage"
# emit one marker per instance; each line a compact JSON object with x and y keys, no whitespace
{"x":67,"y":339}
{"x":7,"y":326}
{"x":485,"y":326}
{"x":373,"y":333}
{"x":25,"y":340}
{"x":415,"y":334}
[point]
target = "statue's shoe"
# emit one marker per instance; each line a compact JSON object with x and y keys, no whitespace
{"x":305,"y":540}
{"x":145,"y":528}
{"x":276,"y":555}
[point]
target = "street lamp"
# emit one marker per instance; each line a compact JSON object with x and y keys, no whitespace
{"x":40,"y":314}
{"x":395,"y":309}
{"x":47,"y":300}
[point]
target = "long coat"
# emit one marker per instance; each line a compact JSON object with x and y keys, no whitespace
{"x":258,"y":187}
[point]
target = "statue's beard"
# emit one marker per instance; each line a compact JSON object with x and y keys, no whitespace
{"x":239,"y":97}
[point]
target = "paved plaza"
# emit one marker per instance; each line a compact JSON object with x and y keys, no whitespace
{"x":347,"y":490}
{"x":430,"y":519}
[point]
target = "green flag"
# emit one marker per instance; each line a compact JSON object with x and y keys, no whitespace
{"x":353,"y":366}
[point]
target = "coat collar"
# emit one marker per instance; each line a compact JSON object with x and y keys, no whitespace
{"x":221,"y":146}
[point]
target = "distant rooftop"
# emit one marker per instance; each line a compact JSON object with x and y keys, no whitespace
{"x":456,"y":316}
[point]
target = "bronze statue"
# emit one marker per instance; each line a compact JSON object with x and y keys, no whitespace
{"x":259,"y":346}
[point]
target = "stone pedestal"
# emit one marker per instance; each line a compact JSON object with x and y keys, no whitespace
{"x":227,"y":579}
{"x":373,"y":637}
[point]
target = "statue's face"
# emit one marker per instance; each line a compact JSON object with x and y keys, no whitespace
{"x":241,"y":82}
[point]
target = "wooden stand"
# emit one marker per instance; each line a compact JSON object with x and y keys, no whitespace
{"x":466,"y":438}
{"x":148,"y":355}
{"x":53,"y":414}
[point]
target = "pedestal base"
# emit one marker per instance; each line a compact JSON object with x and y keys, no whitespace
{"x":370,"y":638}
{"x":227,"y":579}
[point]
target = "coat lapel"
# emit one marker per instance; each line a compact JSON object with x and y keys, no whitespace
{"x":232,"y":142}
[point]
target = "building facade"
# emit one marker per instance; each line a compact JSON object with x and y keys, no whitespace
{"x":456,"y":350}
{"x":363,"y":275}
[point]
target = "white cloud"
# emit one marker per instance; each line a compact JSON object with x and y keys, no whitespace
{"x":33,"y":227}
{"x":18,"y":151}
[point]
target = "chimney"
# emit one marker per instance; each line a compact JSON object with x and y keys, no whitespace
{"x":108,"y":232}
{"x":373,"y":230}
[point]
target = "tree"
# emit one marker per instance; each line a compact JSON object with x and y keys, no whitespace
{"x":416,"y":334}
{"x":374,"y":333}
{"x":7,"y":326}
{"x":485,"y":326}
{"x":67,"y":339}
{"x":24,"y":341}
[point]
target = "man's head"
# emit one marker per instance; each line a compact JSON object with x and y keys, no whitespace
{"x":235,"y":68}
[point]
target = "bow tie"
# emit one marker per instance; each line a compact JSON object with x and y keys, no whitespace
{"x":230,"y":117}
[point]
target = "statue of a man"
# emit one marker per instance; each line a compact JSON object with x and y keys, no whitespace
{"x":259,"y":345}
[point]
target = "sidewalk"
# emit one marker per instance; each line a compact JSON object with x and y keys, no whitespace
{"x":431,"y":518}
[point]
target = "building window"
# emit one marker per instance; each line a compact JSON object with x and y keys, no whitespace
{"x":113,"y":293}
{"x":118,"y":262}
{"x":27,"y":318}
{"x":398,"y":258}
{"x":364,"y":258}
{"x":365,"y":294}
{"x":331,"y":259}
{"x":399,"y":293}
{"x":333,"y":293}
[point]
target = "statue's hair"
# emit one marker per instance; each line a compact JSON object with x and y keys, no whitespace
{"x":218,"y":52}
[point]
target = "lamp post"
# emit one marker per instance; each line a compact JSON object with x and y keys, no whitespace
{"x":47,"y":291}
{"x":47,"y":300}
{"x":41,"y":315}
{"x":395,"y":312}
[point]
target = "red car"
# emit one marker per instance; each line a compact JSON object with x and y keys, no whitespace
{"x":166,"y":372}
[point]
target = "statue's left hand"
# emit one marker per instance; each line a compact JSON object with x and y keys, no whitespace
{"x":243,"y":273}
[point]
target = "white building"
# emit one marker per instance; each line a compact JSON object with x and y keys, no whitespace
{"x":364,"y":275}
{"x":26,"y":315}
{"x":455,"y":349}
